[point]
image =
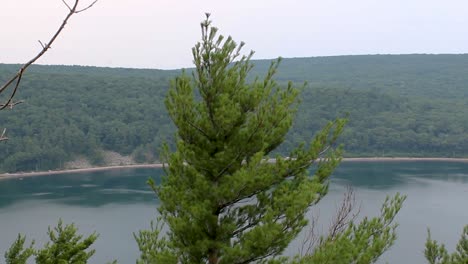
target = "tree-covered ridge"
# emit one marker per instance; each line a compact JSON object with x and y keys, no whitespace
{"x":389,"y":125}
{"x":68,"y":113}
{"x":420,"y":75}
{"x":410,"y":105}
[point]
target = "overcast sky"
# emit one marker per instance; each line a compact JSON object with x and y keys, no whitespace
{"x":160,"y":33}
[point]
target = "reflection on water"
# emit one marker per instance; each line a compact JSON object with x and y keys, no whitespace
{"x":118,"y":203}
{"x":83,"y":189}
{"x":391,"y":175}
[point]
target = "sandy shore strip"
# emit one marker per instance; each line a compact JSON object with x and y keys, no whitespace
{"x":84,"y":170}
{"x":400,"y":159}
{"x":160,"y":165}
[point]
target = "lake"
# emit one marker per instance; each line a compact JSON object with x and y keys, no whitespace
{"x":117,"y":203}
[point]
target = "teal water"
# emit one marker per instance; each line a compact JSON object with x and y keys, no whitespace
{"x":118,"y":203}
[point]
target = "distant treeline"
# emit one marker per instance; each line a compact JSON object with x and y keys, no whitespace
{"x":398,"y":105}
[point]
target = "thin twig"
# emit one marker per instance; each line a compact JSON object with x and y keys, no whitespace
{"x":86,"y":8}
{"x":12,"y":104}
{"x":345,"y":215}
{"x":20,"y":75}
{"x":311,"y":237}
{"x":45,"y":47}
{"x":42,"y":44}
{"x":2,"y":137}
{"x":69,"y":8}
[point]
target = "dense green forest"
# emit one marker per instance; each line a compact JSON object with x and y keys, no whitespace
{"x":398,"y":105}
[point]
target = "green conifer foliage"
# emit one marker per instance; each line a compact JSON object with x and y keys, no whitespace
{"x":436,"y":253}
{"x":66,"y":246}
{"x":360,"y":243}
{"x":225,"y":199}
{"x":17,"y":254}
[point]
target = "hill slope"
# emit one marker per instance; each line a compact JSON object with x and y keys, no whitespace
{"x":409,"y":105}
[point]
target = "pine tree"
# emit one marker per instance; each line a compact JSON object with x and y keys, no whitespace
{"x":225,"y":197}
{"x":362,"y":242}
{"x":65,"y":246}
{"x":436,"y":253}
{"x":17,"y":254}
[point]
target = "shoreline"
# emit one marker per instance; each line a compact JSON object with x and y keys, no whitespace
{"x":160,"y":165}
{"x":399,"y":159}
{"x":4,"y":176}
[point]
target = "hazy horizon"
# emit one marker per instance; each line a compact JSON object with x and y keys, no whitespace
{"x":254,"y":59}
{"x":148,"y":34}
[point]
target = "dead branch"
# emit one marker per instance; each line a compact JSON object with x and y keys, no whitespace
{"x":344,"y":216}
{"x":45,"y":47}
{"x":86,"y":8}
{"x":3,"y":137}
{"x":42,"y":44}
{"x":66,"y":4}
{"x":16,"y":79}
{"x":311,"y":237}
{"x":12,"y":104}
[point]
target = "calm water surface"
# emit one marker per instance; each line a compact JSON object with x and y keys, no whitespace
{"x":119,"y":203}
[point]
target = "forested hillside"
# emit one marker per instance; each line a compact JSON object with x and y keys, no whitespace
{"x":405,"y":105}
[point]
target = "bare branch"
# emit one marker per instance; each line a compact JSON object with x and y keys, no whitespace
{"x":42,"y":44}
{"x":12,"y":104}
{"x":311,"y":237}
{"x":86,"y":8}
{"x":69,"y":8}
{"x":345,"y":215}
{"x":3,"y":137}
{"x":18,"y":80}
{"x":45,"y":47}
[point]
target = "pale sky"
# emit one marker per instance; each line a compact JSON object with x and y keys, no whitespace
{"x":161,"y":33}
